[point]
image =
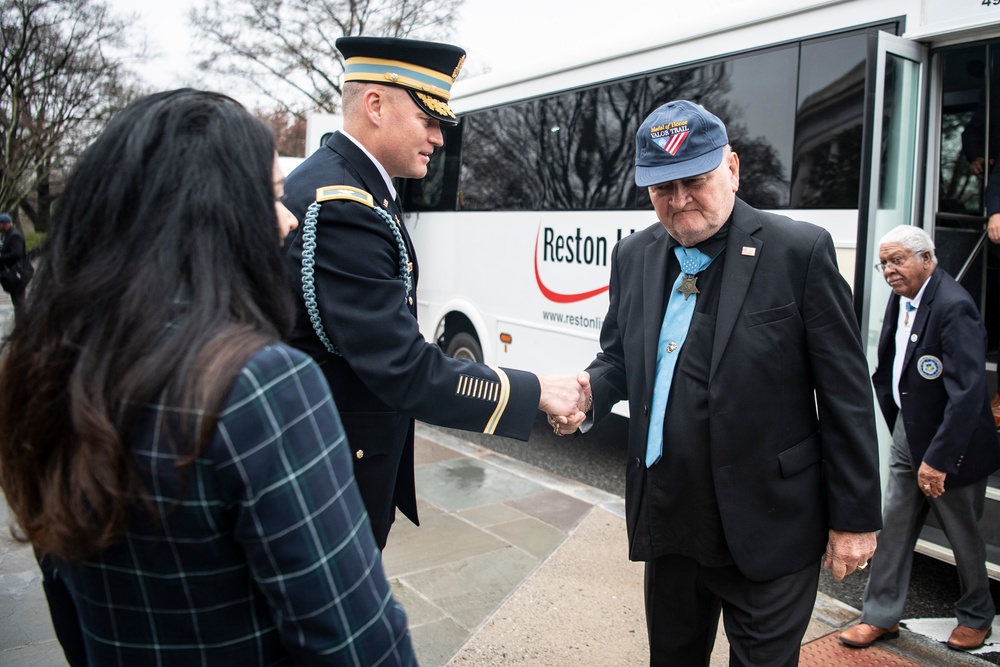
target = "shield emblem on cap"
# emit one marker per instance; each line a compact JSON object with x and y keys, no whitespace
{"x":672,"y":143}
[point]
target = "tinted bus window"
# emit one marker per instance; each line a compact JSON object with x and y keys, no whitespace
{"x":964,"y":129}
{"x":754,"y":95}
{"x":794,"y":115}
{"x":438,"y":191}
{"x":828,"y":123}
{"x":588,"y":147}
{"x":572,"y":151}
{"x":498,"y":163}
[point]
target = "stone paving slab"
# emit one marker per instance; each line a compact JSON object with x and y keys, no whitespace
{"x":511,"y":566}
{"x":574,"y":610}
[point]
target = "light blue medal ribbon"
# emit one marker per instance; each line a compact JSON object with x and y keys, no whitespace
{"x":673,"y":332}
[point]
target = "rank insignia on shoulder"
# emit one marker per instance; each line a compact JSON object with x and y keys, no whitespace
{"x":333,"y":192}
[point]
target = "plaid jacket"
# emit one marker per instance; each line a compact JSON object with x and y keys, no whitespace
{"x":261,"y":552}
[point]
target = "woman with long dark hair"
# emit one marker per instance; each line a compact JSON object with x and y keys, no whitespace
{"x":182,"y":472}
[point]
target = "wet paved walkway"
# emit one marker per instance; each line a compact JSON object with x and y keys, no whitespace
{"x":510,"y":566}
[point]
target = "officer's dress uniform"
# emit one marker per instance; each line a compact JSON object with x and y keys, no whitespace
{"x":382,"y":372}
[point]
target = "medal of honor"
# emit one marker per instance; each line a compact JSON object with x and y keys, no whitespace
{"x":688,"y":286}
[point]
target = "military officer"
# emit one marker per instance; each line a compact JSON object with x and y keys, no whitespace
{"x":355,"y":273}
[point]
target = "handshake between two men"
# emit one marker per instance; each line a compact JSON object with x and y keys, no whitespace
{"x":566,"y":399}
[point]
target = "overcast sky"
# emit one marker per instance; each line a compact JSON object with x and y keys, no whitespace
{"x":508,"y":36}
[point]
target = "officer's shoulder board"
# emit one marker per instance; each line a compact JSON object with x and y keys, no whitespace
{"x":334,"y":192}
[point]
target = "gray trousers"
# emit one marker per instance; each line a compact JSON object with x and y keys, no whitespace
{"x":958,"y":511}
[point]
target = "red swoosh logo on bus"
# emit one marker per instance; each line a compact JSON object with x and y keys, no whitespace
{"x":556,"y":296}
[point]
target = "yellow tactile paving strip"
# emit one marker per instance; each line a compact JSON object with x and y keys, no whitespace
{"x":828,"y":651}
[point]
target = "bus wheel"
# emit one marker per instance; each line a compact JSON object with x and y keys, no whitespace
{"x":465,"y":346}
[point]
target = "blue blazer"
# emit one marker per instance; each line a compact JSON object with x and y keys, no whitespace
{"x":946,"y":405}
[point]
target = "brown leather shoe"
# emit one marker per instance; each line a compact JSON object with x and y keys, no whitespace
{"x":964,"y":638}
{"x":864,"y":635}
{"x":995,"y":405}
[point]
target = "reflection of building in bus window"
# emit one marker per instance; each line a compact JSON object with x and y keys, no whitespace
{"x":828,"y":124}
{"x":762,"y":140}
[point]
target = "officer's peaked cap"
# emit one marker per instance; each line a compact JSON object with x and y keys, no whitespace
{"x":426,"y":70}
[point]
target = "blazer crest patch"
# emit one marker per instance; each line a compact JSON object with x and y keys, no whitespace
{"x":929,"y":367}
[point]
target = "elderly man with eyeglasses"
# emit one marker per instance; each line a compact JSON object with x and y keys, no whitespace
{"x":931,"y":385}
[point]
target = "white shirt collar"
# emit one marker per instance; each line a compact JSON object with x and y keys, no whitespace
{"x":378,"y":165}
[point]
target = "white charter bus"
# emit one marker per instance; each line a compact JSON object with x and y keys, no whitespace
{"x":856,"y":115}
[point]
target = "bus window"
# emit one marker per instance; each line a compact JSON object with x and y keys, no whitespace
{"x":969,"y":143}
{"x":964,"y":131}
{"x":563,"y":152}
{"x":438,"y":191}
{"x":829,"y":119}
{"x":590,"y":135}
{"x":497,"y":171}
{"x":752,"y":95}
{"x":959,"y":218}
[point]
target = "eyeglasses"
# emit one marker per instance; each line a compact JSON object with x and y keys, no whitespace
{"x":894,"y":262}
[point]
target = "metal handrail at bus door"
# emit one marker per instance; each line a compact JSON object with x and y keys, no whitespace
{"x":972,"y":256}
{"x":980,"y":243}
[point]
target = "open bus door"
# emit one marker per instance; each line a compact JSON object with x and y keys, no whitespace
{"x":912,"y":166}
{"x":891,"y":195}
{"x":964,"y":109}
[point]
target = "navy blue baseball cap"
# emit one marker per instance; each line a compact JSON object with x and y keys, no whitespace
{"x":4,"y":218}
{"x":679,"y":140}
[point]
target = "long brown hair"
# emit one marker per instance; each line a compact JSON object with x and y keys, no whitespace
{"x":162,"y":275}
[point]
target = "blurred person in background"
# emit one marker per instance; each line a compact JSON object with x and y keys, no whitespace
{"x":15,"y":267}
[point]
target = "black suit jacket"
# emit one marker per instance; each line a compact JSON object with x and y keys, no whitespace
{"x":387,"y":374}
{"x":946,"y":406}
{"x":793,"y":444}
{"x":14,"y":259}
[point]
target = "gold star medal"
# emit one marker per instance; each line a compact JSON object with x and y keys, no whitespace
{"x":689,"y":286}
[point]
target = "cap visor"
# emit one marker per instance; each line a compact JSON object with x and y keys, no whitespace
{"x":646,"y":176}
{"x":436,"y":115}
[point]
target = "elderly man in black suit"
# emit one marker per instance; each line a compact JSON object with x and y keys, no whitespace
{"x":752,"y":447}
{"x":355,"y":274}
{"x":931,"y":386}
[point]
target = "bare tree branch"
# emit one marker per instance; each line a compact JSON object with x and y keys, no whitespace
{"x":59,"y":83}
{"x":285,"y":50}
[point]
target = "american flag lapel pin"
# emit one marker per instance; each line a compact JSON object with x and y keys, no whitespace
{"x":749,"y":251}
